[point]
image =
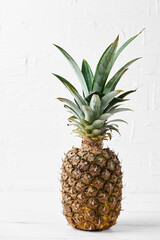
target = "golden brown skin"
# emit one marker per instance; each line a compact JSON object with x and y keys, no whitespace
{"x":91,"y":181}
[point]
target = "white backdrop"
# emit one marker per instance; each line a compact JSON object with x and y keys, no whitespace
{"x":33,"y":124}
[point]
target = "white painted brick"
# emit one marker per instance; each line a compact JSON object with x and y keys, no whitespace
{"x":2,"y":164}
{"x":158,"y":72}
{"x":13,"y":63}
{"x":152,"y":28}
{"x":144,"y":134}
{"x":155,"y":164}
{"x":139,"y":101}
{"x":137,"y":7}
{"x":157,"y":3}
{"x":156,"y":99}
{"x":149,"y":65}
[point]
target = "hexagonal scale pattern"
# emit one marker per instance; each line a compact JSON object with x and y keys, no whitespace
{"x":91,"y":188}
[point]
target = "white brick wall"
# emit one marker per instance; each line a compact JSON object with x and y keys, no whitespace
{"x":33,"y":126}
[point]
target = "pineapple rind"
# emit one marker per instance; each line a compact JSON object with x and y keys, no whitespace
{"x":91,"y":188}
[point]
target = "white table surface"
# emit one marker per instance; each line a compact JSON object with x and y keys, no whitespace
{"x":130,"y":226}
{"x":41,"y":219}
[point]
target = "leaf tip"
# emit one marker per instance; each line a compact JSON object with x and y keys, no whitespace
{"x":118,"y":91}
{"x":141,"y":31}
{"x":125,"y":70}
{"x":137,"y":59}
{"x":55,"y":45}
{"x":117,"y":38}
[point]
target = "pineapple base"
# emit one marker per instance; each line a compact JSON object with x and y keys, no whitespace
{"x":91,"y":181}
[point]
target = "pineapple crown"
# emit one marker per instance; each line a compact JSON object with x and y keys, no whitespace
{"x":90,"y":112}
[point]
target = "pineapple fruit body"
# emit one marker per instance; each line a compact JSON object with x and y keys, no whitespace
{"x":91,"y":181}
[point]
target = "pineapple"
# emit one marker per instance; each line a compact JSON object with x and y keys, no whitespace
{"x":91,"y":175}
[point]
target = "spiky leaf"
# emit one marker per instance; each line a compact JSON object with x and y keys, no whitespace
{"x":105,"y":116}
{"x":111,"y":127}
{"x":88,"y":75}
{"x":111,"y":84}
{"x":115,"y":101}
{"x":76,"y":122}
{"x":116,"y":110}
{"x":126,"y":44}
{"x":126,"y":93}
{"x":116,"y":120}
{"x":96,"y":132}
{"x":71,"y":111}
{"x":104,"y":67}
{"x":98,"y":123}
{"x":76,"y":69}
{"x":95,"y":105}
{"x":72,"y":89}
{"x":73,"y":106}
{"x":88,"y":113}
{"x":107,"y":98}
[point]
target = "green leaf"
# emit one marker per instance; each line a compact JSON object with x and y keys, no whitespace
{"x":72,"y":118}
{"x":111,"y":127}
{"x":79,"y":132}
{"x":88,"y":98}
{"x":72,"y":89}
{"x":98,"y":123}
{"x":76,"y":69}
{"x":108,"y":110}
{"x":115,"y":101}
{"x":88,"y":113}
{"x":105,"y":116}
{"x":126,"y":93}
{"x":116,"y":120}
{"x":96,"y":132}
{"x":95,"y":105}
{"x":116,"y":106}
{"x":107,"y":98}
{"x":88,"y":75}
{"x":76,"y":122}
{"x":104,"y":67}
{"x":120,"y":98}
{"x":71,"y":111}
{"x":109,"y":135}
{"x":110,"y":86}
{"x":116,"y":110}
{"x":84,"y":122}
{"x":89,"y":135}
{"x":76,"y":125}
{"x":118,"y":79}
{"x":73,"y":106}
{"x":89,"y":128}
{"x":125,"y":45}
{"x":77,"y":103}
